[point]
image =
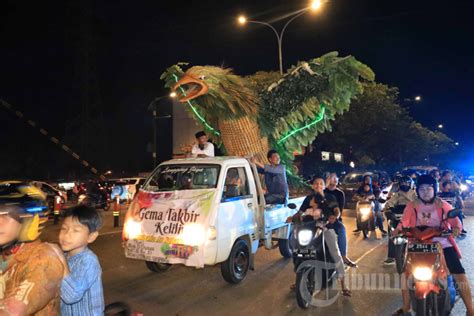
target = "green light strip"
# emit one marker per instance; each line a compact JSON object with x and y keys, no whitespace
{"x":318,"y":119}
{"x":196,"y":112}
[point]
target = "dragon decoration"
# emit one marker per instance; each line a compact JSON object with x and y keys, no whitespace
{"x":249,"y":115}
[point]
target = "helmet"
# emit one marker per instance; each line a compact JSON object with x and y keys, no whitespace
{"x":406,"y":183}
{"x":27,"y":205}
{"x":427,"y":179}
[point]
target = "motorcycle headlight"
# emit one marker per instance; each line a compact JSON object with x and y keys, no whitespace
{"x":364,"y":211}
{"x":304,"y":237}
{"x":463,"y":187}
{"x":423,"y":273}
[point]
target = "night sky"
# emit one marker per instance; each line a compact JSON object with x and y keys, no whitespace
{"x":423,"y":47}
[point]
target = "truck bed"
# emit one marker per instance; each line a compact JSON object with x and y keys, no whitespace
{"x":275,"y":215}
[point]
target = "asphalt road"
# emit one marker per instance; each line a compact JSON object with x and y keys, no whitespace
{"x":265,"y":291}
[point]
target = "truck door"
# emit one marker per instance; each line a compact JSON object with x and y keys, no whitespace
{"x":236,"y":216}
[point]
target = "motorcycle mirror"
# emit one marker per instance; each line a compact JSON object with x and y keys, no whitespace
{"x":292,"y":206}
{"x":454,"y":213}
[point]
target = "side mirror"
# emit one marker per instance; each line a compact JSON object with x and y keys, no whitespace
{"x":292,"y":206}
{"x":385,"y":192}
{"x":454,"y":213}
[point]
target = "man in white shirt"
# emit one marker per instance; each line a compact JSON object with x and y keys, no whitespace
{"x":203,"y":148}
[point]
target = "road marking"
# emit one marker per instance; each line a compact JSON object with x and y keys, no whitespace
{"x":110,"y":233}
{"x":366,"y":253}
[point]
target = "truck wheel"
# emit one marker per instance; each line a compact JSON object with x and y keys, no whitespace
{"x":157,"y":267}
{"x":285,"y":247}
{"x":235,"y":268}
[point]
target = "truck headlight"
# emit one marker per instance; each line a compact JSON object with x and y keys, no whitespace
{"x":304,"y":237}
{"x":365,"y":211}
{"x":423,"y":273}
{"x":193,"y":235}
{"x":132,"y":229}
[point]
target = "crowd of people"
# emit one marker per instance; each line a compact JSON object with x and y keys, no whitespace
{"x":46,"y":279}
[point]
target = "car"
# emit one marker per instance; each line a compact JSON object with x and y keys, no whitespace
{"x":51,"y":192}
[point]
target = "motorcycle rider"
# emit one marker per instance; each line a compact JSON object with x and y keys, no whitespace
{"x":449,"y":195}
{"x":429,"y":210}
{"x":30,"y":270}
{"x":318,"y":209}
{"x":335,"y":223}
{"x":364,"y":193}
{"x":399,"y":199}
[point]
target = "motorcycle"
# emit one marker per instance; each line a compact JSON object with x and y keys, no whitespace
{"x":432,"y":290}
{"x":365,"y":217}
{"x":308,"y":245}
{"x":394,"y":216}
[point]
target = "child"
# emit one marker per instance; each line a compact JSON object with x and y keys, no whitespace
{"x":30,"y":270}
{"x":81,"y":288}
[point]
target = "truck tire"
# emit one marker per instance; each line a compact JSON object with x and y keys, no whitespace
{"x":235,"y":268}
{"x":284,"y":246}
{"x":157,"y":267}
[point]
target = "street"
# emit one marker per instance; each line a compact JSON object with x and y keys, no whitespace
{"x":265,"y":291}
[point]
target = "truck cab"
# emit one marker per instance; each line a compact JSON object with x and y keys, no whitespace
{"x":202,"y":212}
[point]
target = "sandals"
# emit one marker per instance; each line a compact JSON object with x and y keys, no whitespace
{"x":351,"y":264}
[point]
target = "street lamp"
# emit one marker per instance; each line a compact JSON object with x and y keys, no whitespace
{"x":440,"y":126}
{"x":153,"y":107}
{"x":418,"y":98}
{"x":314,"y":6}
{"x":456,"y":143}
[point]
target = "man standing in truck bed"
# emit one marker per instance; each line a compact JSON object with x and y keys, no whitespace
{"x":275,"y":178}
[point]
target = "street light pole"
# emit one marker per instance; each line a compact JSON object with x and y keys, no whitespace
{"x":242,"y":20}
{"x":153,"y":106}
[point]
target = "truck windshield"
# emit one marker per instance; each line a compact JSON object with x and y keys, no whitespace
{"x":183,"y":177}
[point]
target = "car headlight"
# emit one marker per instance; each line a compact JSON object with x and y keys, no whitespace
{"x":304,"y":237}
{"x":364,"y":211}
{"x":193,"y":234}
{"x":423,"y":273}
{"x":132,"y":229}
{"x":463,"y":187}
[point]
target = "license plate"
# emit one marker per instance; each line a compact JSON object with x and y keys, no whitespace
{"x":422,"y":248}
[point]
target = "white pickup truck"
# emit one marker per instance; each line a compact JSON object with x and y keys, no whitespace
{"x":205,"y":211}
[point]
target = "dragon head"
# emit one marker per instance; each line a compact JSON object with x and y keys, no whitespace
{"x":216,"y":90}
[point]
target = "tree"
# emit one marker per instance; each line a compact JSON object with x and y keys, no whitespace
{"x":378,"y":132}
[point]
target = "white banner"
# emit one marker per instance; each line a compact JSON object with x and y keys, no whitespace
{"x":170,"y":227}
